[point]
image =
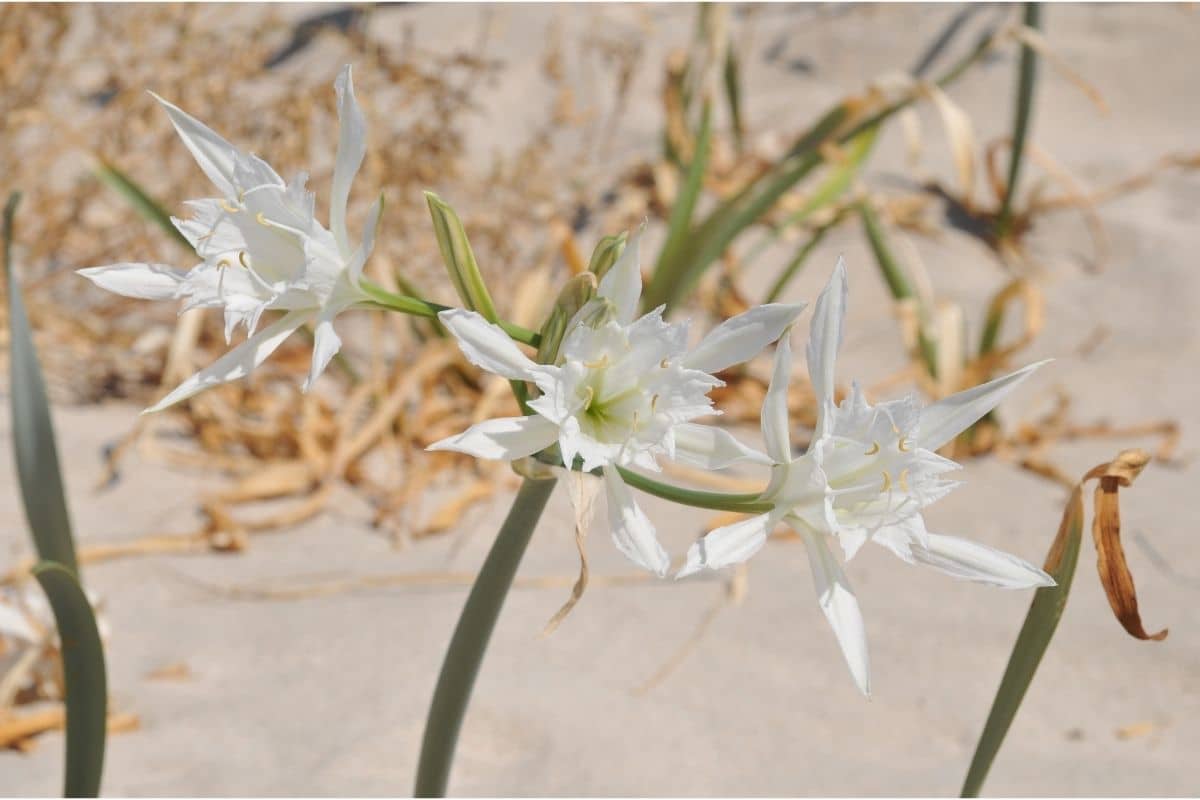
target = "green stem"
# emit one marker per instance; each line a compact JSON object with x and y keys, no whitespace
{"x":423,"y":308}
{"x":718,"y":501}
{"x":1026,"y":78}
{"x":471,"y":635}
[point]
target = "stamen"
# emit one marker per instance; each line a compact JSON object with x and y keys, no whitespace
{"x":242,"y":259}
{"x":261,"y":219}
{"x":653,"y":402}
{"x":874,"y":449}
{"x":664,"y":363}
{"x":224,"y":263}
{"x":887,"y":481}
{"x":228,"y":208}
{"x":904,"y":444}
{"x":902,"y":479}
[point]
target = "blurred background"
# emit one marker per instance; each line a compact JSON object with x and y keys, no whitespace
{"x":279,"y":573}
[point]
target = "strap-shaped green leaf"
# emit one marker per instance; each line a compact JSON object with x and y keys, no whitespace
{"x":140,"y":199}
{"x":84,"y":674}
{"x":1040,"y":624}
{"x":32,"y":429}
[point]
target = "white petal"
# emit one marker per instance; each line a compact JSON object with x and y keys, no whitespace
{"x":354,"y":269}
{"x":486,"y":345}
{"x":742,"y":337}
{"x":824,"y":340}
{"x":710,"y":447}
{"x":950,"y":416}
{"x":352,"y":146}
{"x":631,"y":528}
{"x":326,"y":344}
{"x":215,"y":156}
{"x":731,"y":544}
{"x":972,"y":561}
{"x":502,"y":439}
{"x":622,"y":284}
{"x":239,"y":361}
{"x":840,"y":605}
{"x":146,"y":281}
{"x":775,"y":404}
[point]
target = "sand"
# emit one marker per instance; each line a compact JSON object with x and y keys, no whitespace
{"x":327,"y":696}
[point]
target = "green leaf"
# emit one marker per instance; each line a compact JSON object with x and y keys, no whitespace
{"x":896,"y":279}
{"x":798,"y":260}
{"x":142,"y":202}
{"x":84,"y":675}
{"x":838,"y":180}
{"x":679,"y":228}
{"x":470,"y":640}
{"x":32,"y":429}
{"x":1040,"y":624}
{"x":459,"y":258}
{"x":1026,"y":80}
{"x":733,"y":94}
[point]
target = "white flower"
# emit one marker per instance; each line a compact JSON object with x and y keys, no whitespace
{"x":866,"y":476}
{"x":261,"y":249}
{"x":623,"y":393}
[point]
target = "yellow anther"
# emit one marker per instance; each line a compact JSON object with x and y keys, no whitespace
{"x":902,"y":479}
{"x":874,"y":449}
{"x":242,"y":259}
{"x":260,"y":219}
{"x":224,"y":263}
{"x":904,"y":445}
{"x":653,"y":402}
{"x":588,"y":394}
{"x":663,"y":364}
{"x":887,"y":481}
{"x":229,"y":208}
{"x":599,"y":363}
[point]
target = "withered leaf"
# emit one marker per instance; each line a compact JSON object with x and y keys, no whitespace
{"x":1106,"y":532}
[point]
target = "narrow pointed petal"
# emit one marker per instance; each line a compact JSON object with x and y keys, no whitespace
{"x":823,"y":343}
{"x":622,"y":285}
{"x":631,"y":529}
{"x":709,"y":447}
{"x":502,"y":439}
{"x":486,"y":345}
{"x":354,"y":268}
{"x":215,"y":156}
{"x":840,"y":606}
{"x":962,"y":558}
{"x":326,"y":344}
{"x":728,"y":545}
{"x":144,"y":281}
{"x":238,"y":362}
{"x":775,"y":404}
{"x":741,"y":338}
{"x":949,"y":417}
{"x":352,"y":146}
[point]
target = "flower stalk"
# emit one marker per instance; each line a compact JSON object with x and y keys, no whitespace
{"x":471,"y":636}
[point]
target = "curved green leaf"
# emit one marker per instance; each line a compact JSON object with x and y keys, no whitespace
{"x":32,"y":429}
{"x":84,"y":675}
{"x":1034,"y":638}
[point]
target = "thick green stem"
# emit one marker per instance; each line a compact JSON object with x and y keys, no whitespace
{"x":471,"y":636}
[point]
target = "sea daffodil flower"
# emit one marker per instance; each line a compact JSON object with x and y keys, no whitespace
{"x":261,"y":248}
{"x":866,"y":476}
{"x":623,"y":392}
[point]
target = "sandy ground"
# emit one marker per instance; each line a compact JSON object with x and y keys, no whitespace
{"x":328,"y":695}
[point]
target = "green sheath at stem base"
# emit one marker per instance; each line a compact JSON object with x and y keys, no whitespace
{"x":471,"y":636}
